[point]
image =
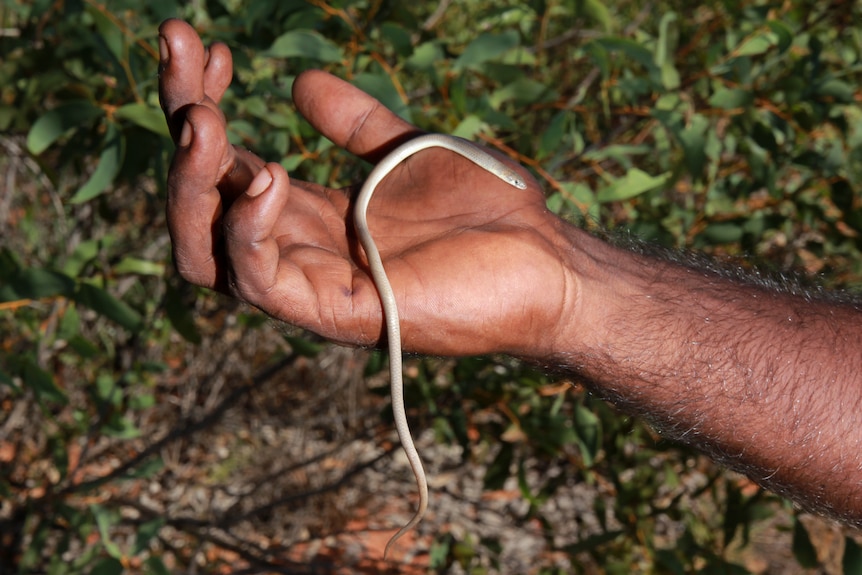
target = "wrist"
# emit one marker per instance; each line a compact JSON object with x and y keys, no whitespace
{"x":606,"y":284}
{"x":564,"y":296}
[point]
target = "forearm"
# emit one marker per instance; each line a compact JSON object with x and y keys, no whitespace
{"x":765,"y":381}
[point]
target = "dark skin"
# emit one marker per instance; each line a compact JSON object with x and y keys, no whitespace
{"x":766,"y":382}
{"x":287,"y":250}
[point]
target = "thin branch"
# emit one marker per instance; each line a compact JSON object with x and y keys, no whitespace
{"x":186,"y":428}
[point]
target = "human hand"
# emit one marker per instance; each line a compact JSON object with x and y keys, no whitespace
{"x":476,"y":264}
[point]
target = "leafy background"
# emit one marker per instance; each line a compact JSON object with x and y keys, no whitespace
{"x":148,"y":426}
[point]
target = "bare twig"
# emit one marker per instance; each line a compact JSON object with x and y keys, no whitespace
{"x":185,"y":428}
{"x":436,"y":16}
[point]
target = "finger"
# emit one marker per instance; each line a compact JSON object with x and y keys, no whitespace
{"x":250,"y":242}
{"x":188,"y":72}
{"x":194,"y":205}
{"x":263,"y":269}
{"x":292,"y":260}
{"x":219,"y":71}
{"x":348,"y":116}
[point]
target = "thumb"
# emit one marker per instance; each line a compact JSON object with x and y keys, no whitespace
{"x":352,"y":119}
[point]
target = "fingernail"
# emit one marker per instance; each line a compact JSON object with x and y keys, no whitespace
{"x":261,"y":182}
{"x":164,"y":52}
{"x":186,"y":135}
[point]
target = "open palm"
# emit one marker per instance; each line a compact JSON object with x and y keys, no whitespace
{"x":473,"y":261}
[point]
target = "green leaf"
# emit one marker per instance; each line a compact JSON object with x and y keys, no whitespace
{"x":108,"y":31}
{"x":669,"y":76}
{"x":803,"y":549}
{"x":57,"y":122}
{"x":108,"y":306}
{"x":469,"y":126}
{"x":730,"y":98}
{"x":484,"y":48}
{"x":42,"y":383}
{"x":667,"y":39}
{"x":550,"y":142}
{"x":588,"y":430}
{"x":84,"y":347}
{"x":10,"y":263}
{"x":121,"y":427}
{"x":303,"y":347}
{"x":692,"y":138}
{"x":36,"y":283}
{"x":7,"y":114}
{"x":107,"y":168}
{"x":736,"y":516}
{"x":146,"y":469}
{"x":108,"y":566}
{"x":107,"y":390}
{"x":425,"y":56}
{"x":6,"y":379}
{"x":305,"y":44}
{"x":240,"y":131}
{"x":146,"y":532}
{"x":634,"y":183}
{"x":499,"y":470}
{"x":756,"y":45}
{"x":280,"y":115}
{"x":524,"y":485}
{"x":783,"y":34}
{"x":180,"y":315}
{"x":398,"y":37}
{"x":137,"y":266}
{"x":155,"y":566}
{"x":381,"y":87}
{"x":147,"y":117}
{"x":634,"y":50}
{"x":440,"y":550}
{"x":598,"y":12}
{"x":142,"y":401}
{"x":70,"y":323}
{"x":723,"y":232}
{"x":105,"y":520}
{"x":84,"y":253}
{"x":851,"y":563}
{"x":601,"y":59}
{"x":623,"y":154}
{"x":576,"y":197}
{"x":375,"y":364}
{"x":292,"y":162}
{"x":837,"y":90}
{"x":522,"y":91}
